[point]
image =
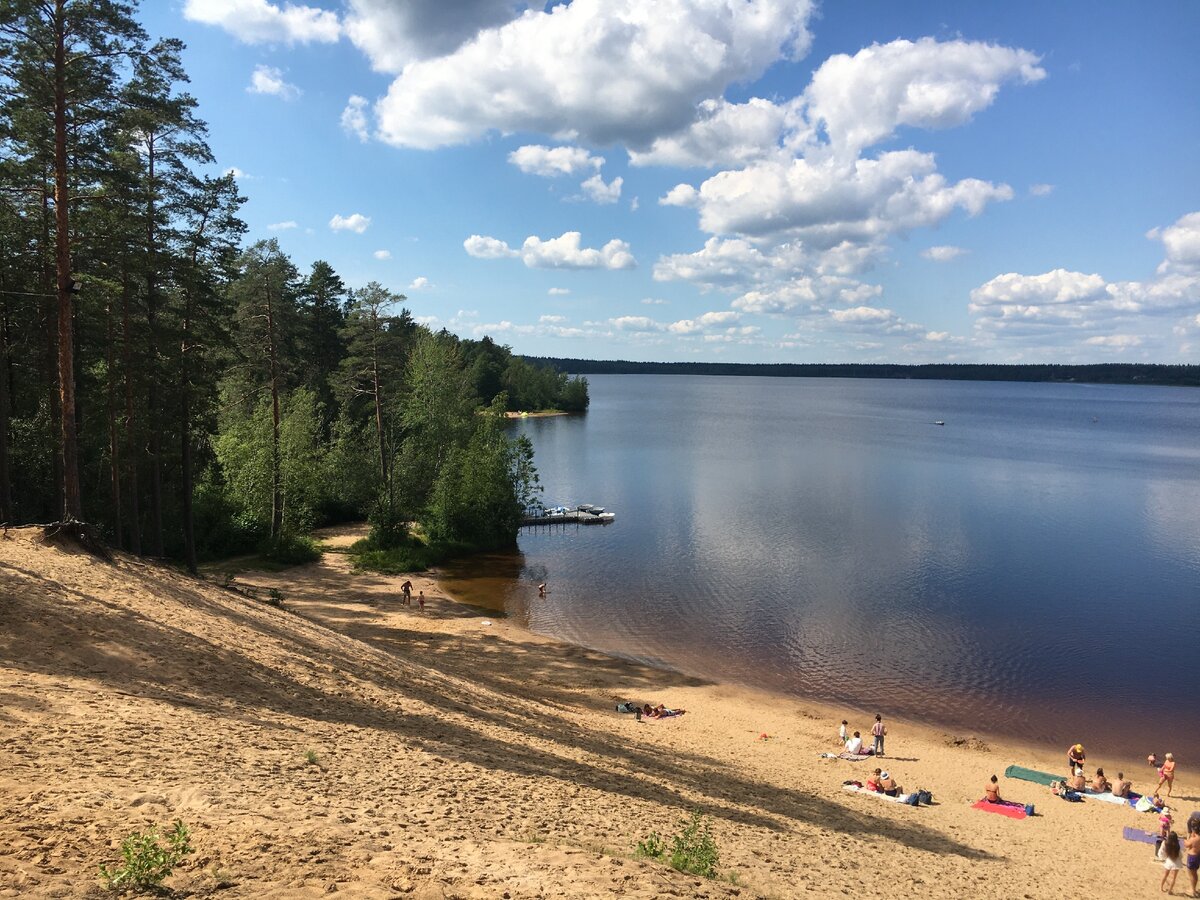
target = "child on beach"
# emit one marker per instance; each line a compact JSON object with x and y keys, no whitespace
{"x":1169,"y":854}
{"x":421,"y":600}
{"x":842,"y":733}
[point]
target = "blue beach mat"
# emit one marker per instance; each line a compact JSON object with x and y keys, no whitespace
{"x":1136,"y":834}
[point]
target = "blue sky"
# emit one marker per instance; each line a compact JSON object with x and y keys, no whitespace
{"x":736,"y":180}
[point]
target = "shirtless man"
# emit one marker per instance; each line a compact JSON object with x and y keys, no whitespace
{"x":1100,"y":784}
{"x":406,"y":590}
{"x":1078,"y":782}
{"x":1122,"y":786}
{"x":1191,"y":847}
{"x":992,"y":791}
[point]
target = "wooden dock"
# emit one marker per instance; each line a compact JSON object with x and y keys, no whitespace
{"x":562,"y":516}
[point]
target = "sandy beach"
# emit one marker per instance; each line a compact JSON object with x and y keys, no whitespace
{"x":455,"y":754}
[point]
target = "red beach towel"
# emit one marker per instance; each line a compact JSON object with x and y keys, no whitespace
{"x":1003,"y":808}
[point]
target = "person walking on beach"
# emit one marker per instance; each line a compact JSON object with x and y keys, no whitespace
{"x":542,"y":589}
{"x":879,"y":730}
{"x":1166,"y":775}
{"x":1075,"y":758}
{"x":1169,"y":854}
{"x":406,"y":590}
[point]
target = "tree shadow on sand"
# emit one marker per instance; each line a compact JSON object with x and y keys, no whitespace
{"x":420,"y":688}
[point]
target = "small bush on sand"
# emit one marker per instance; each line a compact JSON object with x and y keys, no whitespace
{"x":146,"y":861}
{"x":311,"y":758}
{"x":292,"y":550}
{"x":693,"y":849}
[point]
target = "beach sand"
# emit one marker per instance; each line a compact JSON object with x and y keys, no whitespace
{"x":458,"y":755}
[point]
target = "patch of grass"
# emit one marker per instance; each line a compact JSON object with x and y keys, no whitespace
{"x":414,"y":555}
{"x":274,"y":597}
{"x":693,"y":849}
{"x":146,"y":861}
{"x":310,"y":757}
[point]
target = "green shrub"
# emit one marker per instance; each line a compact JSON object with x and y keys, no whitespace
{"x":652,"y":847}
{"x":275,"y":597}
{"x":292,"y":550}
{"x":310,"y":757}
{"x":145,"y":861}
{"x":389,"y":529}
{"x":693,"y":849}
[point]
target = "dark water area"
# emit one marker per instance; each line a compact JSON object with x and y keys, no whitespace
{"x":1030,"y":569}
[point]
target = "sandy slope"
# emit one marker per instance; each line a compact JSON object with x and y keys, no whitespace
{"x":460,"y":756}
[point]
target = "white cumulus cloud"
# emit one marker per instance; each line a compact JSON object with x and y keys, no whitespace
{"x":608,"y":71}
{"x":393,"y":34}
{"x":552,"y":162}
{"x":269,"y":80}
{"x":860,"y":100}
{"x":259,"y":22}
{"x":566,"y":252}
{"x":356,"y":222}
{"x":382,"y":254}
{"x":420,"y":283}
{"x":482,"y":247}
{"x":354,"y":118}
{"x":283,"y":226}
{"x":942,"y":253}
{"x":597,"y":191}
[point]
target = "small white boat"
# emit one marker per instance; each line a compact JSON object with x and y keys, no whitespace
{"x":939,"y":422}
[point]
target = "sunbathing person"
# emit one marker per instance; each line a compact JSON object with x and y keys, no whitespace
{"x":991,"y":791}
{"x":888,"y":785}
{"x":855,"y":745}
{"x":1100,"y":784}
{"x":662,"y":712}
{"x":1121,"y":786}
{"x":1078,"y":782}
{"x":873,"y":781}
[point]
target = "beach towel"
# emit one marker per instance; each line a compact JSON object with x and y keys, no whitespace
{"x":1107,"y":797}
{"x":1031,"y":775}
{"x":849,"y":757}
{"x":1136,"y":834}
{"x":1003,"y":808}
{"x":902,"y":798}
{"x":666,"y":714}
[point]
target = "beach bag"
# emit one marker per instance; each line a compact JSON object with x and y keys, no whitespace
{"x":1073,"y":796}
{"x":1029,"y":809}
{"x":925,"y":796}
{"x":1145,"y":804}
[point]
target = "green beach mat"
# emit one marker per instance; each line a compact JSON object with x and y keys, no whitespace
{"x":1031,"y":775}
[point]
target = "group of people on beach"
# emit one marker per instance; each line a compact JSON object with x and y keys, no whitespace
{"x":854,"y":744}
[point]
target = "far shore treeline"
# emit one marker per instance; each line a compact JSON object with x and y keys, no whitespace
{"x":1099,"y":373}
{"x":192,"y":397}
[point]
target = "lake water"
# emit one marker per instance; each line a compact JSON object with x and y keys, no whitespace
{"x":1029,"y":569}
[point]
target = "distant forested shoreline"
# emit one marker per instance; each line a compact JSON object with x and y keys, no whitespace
{"x":1100,"y":373}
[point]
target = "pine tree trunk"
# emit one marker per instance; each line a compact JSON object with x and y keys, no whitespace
{"x":185,"y":434}
{"x":131,"y":456}
{"x":276,"y":479}
{"x":156,"y":520}
{"x":72,"y":501}
{"x":114,"y":438}
{"x":6,"y":507}
{"x":50,"y":333}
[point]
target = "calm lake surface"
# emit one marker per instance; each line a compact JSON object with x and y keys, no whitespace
{"x":1030,"y":569}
